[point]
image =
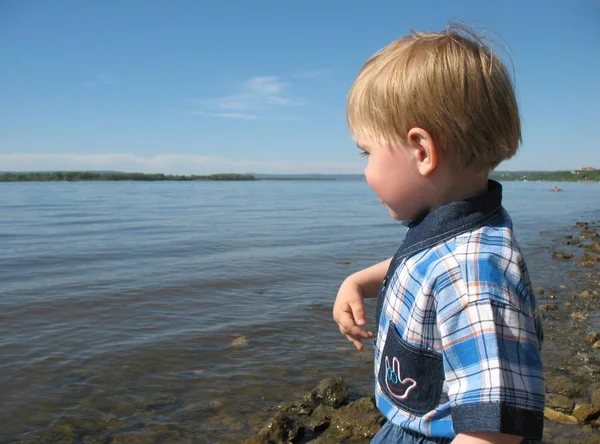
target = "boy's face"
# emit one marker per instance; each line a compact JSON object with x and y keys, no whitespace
{"x":393,"y":174}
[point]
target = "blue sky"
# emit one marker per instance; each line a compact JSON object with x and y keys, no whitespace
{"x":237,"y":86}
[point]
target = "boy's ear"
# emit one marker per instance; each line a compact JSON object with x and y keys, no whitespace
{"x":424,"y":150}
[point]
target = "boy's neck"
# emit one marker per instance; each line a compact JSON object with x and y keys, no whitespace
{"x":461,"y":186}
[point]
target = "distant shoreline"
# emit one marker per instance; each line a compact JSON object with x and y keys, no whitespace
{"x":129,"y":177}
{"x":91,"y":176}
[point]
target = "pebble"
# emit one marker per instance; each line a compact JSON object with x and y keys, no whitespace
{"x":584,"y":412}
{"x":558,"y":416}
{"x":561,"y":254}
{"x":239,"y":342}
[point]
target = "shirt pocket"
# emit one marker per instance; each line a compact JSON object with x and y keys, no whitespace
{"x":410,"y":377}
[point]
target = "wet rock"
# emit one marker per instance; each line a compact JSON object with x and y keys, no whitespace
{"x":563,"y":385}
{"x":595,"y":395}
{"x":560,"y":403}
{"x":585,"y":412}
{"x":345,"y":262}
{"x":548,"y":307}
{"x":593,"y":248}
{"x":358,"y":421}
{"x":561,"y":254}
{"x":321,"y":418}
{"x":331,"y":391}
{"x":587,"y":371}
{"x":308,"y":417}
{"x":297,"y":408}
{"x":588,"y":257}
{"x":585,"y":264}
{"x":596,"y":345}
{"x":590,"y":339}
{"x":589,"y":234}
{"x":281,"y":428}
{"x":584,"y":295}
{"x":558,"y":416}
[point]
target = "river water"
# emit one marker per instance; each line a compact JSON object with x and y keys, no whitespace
{"x":120,"y":300}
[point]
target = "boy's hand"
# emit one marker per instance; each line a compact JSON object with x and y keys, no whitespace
{"x":349,"y":313}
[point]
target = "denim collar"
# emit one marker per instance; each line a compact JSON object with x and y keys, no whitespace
{"x":452,"y":219}
{"x":443,"y":223}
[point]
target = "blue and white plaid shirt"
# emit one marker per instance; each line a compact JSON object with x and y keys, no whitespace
{"x":459,"y":338}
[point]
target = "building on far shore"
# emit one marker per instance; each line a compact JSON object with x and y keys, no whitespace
{"x":587,"y":169}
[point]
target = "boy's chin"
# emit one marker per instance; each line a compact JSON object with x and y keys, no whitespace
{"x":395,"y":215}
{"x":400,"y":218}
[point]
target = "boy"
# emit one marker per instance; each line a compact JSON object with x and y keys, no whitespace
{"x":457,"y":353}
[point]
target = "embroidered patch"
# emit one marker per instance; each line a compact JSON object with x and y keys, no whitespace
{"x":399,"y":388}
{"x":410,"y":377}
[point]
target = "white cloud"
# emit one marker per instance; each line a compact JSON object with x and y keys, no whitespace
{"x":256,"y":94}
{"x":166,"y":163}
{"x":99,"y":80}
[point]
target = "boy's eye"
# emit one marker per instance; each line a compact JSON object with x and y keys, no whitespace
{"x":364,"y":153}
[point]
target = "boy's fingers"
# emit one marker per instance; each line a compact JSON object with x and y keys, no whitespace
{"x":345,"y":321}
{"x":355,"y":332}
{"x":358,"y":312}
{"x":358,"y":344}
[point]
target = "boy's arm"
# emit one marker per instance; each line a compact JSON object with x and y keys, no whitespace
{"x":369,"y":280}
{"x":491,"y":351}
{"x":349,"y":310}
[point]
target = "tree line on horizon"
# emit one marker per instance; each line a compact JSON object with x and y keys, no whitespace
{"x":78,"y":176}
{"x":548,"y":176}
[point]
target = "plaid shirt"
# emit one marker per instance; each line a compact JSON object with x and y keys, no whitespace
{"x":458,"y":341}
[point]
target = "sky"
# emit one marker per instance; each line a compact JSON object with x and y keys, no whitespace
{"x":201,"y":86}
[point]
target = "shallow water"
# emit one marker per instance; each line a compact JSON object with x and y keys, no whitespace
{"x":120,"y":300}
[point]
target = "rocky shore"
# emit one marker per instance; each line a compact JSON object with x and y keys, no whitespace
{"x":571,"y":311}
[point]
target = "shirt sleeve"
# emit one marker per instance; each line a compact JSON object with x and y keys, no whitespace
{"x":491,"y":343}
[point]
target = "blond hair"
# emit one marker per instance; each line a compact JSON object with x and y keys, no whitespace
{"x":450,"y":84}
